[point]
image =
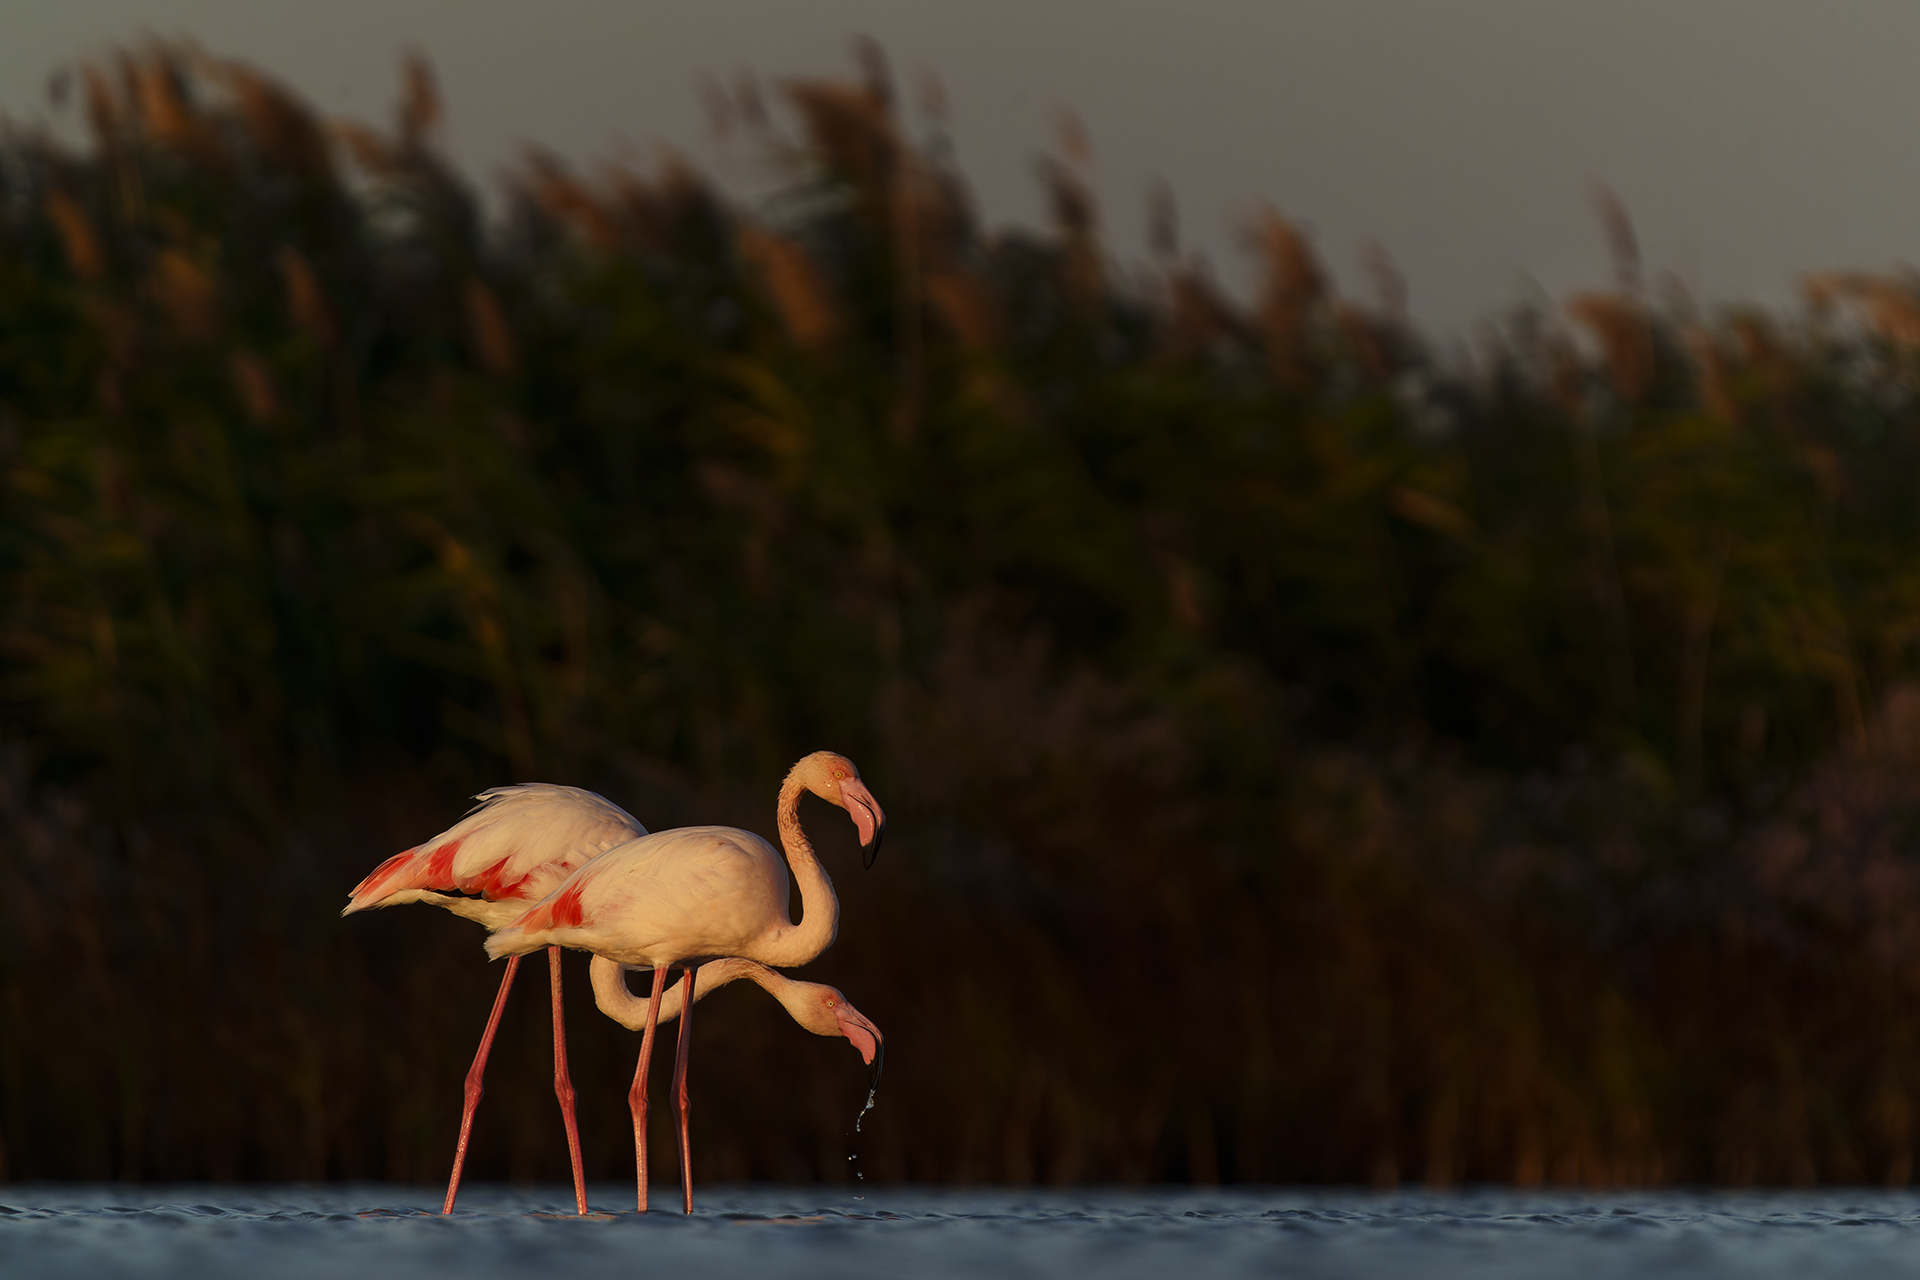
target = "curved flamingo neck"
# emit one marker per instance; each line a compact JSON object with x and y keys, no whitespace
{"x":819,"y":908}
{"x":617,"y":1001}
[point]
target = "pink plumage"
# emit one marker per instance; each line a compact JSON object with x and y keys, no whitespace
{"x":697,"y":893}
{"x":516,"y":846}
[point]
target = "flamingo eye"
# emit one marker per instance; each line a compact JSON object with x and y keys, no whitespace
{"x":839,"y":773}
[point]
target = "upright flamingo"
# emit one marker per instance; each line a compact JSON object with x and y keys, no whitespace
{"x":697,"y":893}
{"x":510,"y":851}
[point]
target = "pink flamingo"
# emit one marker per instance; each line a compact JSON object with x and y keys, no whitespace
{"x":510,"y":851}
{"x":815,"y":1006}
{"x":694,"y":893}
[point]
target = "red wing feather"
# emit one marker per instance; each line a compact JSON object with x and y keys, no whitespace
{"x":382,"y":873}
{"x":495,"y":883}
{"x":562,"y":911}
{"x":518,"y":844}
{"x":438,"y":873}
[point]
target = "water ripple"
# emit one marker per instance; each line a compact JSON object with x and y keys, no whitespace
{"x":375,"y":1232}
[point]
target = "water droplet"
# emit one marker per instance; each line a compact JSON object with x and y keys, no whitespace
{"x":854,"y":1159}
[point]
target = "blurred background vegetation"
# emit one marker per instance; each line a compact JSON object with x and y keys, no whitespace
{"x":1308,"y":757}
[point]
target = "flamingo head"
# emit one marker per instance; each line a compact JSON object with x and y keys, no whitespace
{"x":827,"y":1013}
{"x":833,"y":778}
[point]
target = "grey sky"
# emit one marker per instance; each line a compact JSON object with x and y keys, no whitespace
{"x":1752,"y":140}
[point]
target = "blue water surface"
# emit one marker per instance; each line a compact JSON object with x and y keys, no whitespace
{"x":371,"y":1232}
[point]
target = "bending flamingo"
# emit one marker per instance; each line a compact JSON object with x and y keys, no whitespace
{"x":511,"y":850}
{"x":695,"y":893}
{"x":815,"y":1006}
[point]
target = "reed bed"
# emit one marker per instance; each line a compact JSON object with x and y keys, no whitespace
{"x":1308,"y":759}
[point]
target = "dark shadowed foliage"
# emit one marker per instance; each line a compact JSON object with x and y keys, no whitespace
{"x":1306,"y":758}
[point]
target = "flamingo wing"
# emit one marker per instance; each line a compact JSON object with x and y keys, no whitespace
{"x":693,"y":891}
{"x":517,"y":844}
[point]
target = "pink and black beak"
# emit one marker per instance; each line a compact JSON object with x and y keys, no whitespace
{"x":864,"y":1036}
{"x":867,"y":818}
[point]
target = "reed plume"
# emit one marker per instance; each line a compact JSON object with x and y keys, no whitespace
{"x":1295,"y":287}
{"x":796,"y":286}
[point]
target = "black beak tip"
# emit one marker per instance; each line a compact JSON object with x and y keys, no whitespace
{"x":879,"y":1060}
{"x":870,"y":852}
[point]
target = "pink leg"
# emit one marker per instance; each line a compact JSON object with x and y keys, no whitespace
{"x":637,"y":1096}
{"x":680,"y":1086}
{"x":563,"y":1084}
{"x":476,"y":1074}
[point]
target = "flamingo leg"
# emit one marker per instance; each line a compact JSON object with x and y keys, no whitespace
{"x":563,"y":1084}
{"x":637,"y":1096}
{"x":680,"y":1086}
{"x":476,"y":1075}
